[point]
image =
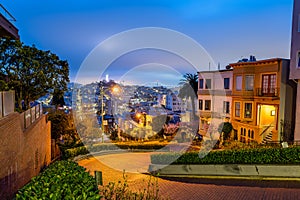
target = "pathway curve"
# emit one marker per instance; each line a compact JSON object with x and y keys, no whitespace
{"x":135,"y":164}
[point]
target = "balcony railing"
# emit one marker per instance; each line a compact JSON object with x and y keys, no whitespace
{"x":267,"y":92}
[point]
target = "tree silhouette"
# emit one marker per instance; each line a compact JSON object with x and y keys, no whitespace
{"x":189,"y":88}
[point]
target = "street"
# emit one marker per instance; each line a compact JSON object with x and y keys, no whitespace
{"x":135,"y":165}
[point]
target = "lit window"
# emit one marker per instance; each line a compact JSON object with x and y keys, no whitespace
{"x":226,"y":83}
{"x":207,"y":105}
{"x":238,"y":82}
{"x":237,"y":109}
{"x":248,"y":110}
{"x":249,"y":80}
{"x":208,"y":84}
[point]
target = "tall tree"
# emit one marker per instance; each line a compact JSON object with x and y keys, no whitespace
{"x":31,"y":72}
{"x":189,"y":88}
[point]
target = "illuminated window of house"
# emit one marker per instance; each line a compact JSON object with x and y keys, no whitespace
{"x":226,"y":83}
{"x":238,"y":83}
{"x":249,"y":82}
{"x":200,"y":83}
{"x":226,"y":107}
{"x":200,"y":104}
{"x":248,"y":110}
{"x":207,"y":105}
{"x":208,"y":84}
{"x":237,"y":109}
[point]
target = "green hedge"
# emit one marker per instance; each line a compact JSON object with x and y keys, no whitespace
{"x":61,"y":180}
{"x":246,"y":156}
{"x":70,"y":153}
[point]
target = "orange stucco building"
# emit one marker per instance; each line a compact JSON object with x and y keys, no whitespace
{"x":263,"y":99}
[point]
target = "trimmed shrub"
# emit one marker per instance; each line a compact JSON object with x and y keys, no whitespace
{"x":70,"y":153}
{"x":245,"y":156}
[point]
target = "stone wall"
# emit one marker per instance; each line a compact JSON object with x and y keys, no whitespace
{"x":23,"y":153}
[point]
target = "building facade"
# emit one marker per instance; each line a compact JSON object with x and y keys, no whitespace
{"x":263,"y":99}
{"x":214,"y":98}
{"x":295,"y":62}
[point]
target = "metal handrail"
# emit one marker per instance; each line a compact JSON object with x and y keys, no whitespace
{"x":6,"y":12}
{"x":268,"y":92}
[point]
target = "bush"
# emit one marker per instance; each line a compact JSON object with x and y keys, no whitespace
{"x":227,"y":144}
{"x":61,"y":180}
{"x":245,"y":156}
{"x":70,"y":153}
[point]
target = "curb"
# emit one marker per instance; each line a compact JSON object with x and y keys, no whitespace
{"x":230,"y":170}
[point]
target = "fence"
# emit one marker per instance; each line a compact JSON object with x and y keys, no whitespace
{"x":7,"y":103}
{"x":31,"y":115}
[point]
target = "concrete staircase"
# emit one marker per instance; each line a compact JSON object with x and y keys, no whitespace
{"x":268,"y":138}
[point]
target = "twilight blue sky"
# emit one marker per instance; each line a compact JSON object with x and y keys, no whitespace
{"x":226,"y":29}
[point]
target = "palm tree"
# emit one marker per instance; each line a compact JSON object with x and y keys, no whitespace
{"x":189,"y":88}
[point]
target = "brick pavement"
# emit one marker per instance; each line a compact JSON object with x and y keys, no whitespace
{"x":181,"y":188}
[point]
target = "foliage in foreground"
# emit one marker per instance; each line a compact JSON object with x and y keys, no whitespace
{"x":244,"y":156}
{"x":68,"y":180}
{"x":61,"y":180}
{"x":120,"y":190}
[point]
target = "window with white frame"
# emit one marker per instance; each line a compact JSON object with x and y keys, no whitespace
{"x":237,"y":107}
{"x":208,"y":84}
{"x":226,"y":107}
{"x":226,"y":83}
{"x":207,"y":105}
{"x":248,"y":110}
{"x":249,"y":82}
{"x":200,"y":104}
{"x":201,"y":83}
{"x":238,"y":83}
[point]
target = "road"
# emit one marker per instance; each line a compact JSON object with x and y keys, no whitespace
{"x":136,"y":164}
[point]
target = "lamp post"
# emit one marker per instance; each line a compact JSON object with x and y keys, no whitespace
{"x":114,"y":89}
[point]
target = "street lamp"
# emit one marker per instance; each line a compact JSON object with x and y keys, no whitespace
{"x":114,"y":89}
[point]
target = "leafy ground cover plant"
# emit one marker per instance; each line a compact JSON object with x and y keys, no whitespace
{"x":61,"y":180}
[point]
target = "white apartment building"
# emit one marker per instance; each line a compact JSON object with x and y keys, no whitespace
{"x":214,"y":98}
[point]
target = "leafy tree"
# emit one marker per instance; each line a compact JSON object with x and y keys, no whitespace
{"x":189,"y":88}
{"x":58,"y":98}
{"x":225,"y":128}
{"x":158,"y":124}
{"x":31,"y":72}
{"x":62,"y":127}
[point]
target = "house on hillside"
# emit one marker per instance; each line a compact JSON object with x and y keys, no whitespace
{"x":214,"y":98}
{"x":263,"y":101}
